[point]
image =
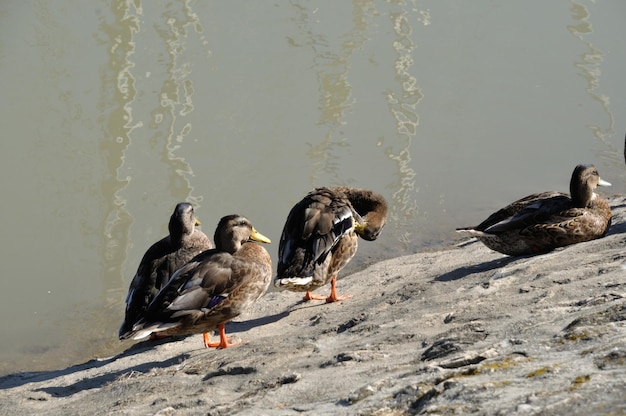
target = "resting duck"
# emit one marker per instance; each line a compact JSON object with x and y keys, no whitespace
{"x":542,"y":222}
{"x":161,"y":260}
{"x":213,"y":287}
{"x":320,"y":237}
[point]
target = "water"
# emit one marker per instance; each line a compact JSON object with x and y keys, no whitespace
{"x":113,"y":112}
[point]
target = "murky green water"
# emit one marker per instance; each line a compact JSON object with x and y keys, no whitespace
{"x":113,"y":111}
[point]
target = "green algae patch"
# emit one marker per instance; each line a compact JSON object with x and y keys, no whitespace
{"x":579,"y":381}
{"x":541,"y":371}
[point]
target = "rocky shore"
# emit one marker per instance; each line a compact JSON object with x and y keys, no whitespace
{"x":457,"y":331}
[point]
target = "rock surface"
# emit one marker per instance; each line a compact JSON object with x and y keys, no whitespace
{"x":462,"y":330}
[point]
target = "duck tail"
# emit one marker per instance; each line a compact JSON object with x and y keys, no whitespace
{"x":140,"y":331}
{"x":471,"y":231}
{"x":293,"y":282}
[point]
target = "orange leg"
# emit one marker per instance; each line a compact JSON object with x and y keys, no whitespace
{"x":311,"y":296}
{"x":333,"y":292}
{"x":329,"y":299}
{"x":224,"y":341}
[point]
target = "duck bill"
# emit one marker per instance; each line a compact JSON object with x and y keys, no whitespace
{"x":602,"y":182}
{"x":359,"y":228}
{"x":257,"y":236}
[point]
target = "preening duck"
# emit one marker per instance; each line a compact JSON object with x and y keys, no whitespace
{"x":160,"y":262}
{"x":213,"y":287}
{"x":541,"y":222}
{"x":321,"y":234}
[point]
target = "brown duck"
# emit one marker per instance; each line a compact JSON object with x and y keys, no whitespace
{"x":160,"y":262}
{"x":542,"y":222}
{"x":212,"y":288}
{"x":320,"y":237}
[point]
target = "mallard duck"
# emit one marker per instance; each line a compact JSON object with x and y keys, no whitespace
{"x":541,"y":222}
{"x":161,"y":260}
{"x":212,"y":288}
{"x":320,"y":237}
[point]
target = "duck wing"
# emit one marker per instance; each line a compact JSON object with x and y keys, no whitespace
{"x":157,"y":265}
{"x":546,"y":207}
{"x":193,"y":286}
{"x":313,"y":228}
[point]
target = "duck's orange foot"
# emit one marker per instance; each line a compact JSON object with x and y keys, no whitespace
{"x":333,"y":292}
{"x":334,"y":298}
{"x":311,"y":296}
{"x":224,"y":341}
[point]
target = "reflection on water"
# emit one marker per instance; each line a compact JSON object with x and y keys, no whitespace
{"x":403,"y":106}
{"x":115,"y":105}
{"x":176,"y":95}
{"x":331,"y":55}
{"x":589,"y":66}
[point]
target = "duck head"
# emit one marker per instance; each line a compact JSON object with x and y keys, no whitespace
{"x":183,"y":220}
{"x":233,"y":231}
{"x":585,"y":179}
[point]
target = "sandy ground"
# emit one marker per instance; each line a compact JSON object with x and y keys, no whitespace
{"x":463,"y":330}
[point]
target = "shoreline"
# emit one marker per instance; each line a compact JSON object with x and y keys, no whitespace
{"x":457,"y":330}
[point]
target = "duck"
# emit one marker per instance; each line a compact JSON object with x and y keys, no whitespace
{"x":214,"y":287}
{"x":542,"y":222}
{"x":161,"y":260}
{"x":320,"y":237}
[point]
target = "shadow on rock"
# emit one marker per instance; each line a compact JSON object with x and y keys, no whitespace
{"x":19,"y":379}
{"x":99,"y":381}
{"x":253,"y":323}
{"x":465,"y":271}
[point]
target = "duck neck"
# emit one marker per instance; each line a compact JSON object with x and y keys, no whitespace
{"x":582,"y":195}
{"x":229,"y":244}
{"x":178,"y":233}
